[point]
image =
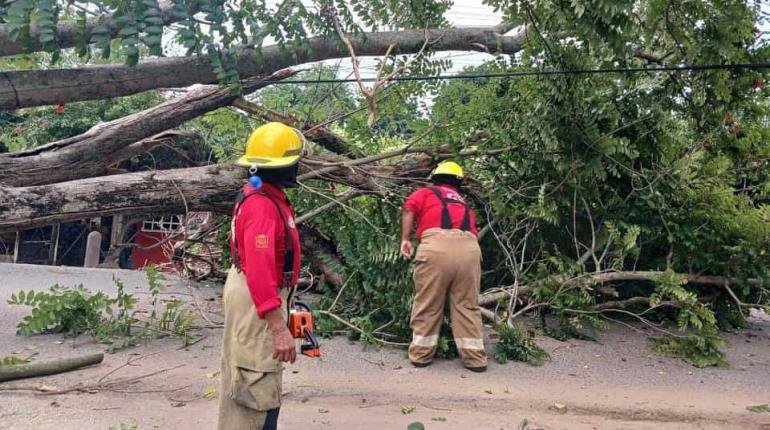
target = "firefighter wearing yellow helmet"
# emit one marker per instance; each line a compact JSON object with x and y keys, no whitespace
{"x":447,"y":266}
{"x":265,"y":251}
{"x":272,"y":146}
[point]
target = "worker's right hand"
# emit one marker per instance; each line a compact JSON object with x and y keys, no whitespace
{"x":283,"y":342}
{"x":406,"y":248}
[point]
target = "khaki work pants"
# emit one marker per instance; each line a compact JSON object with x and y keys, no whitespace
{"x":448,"y":263}
{"x":251,"y":377}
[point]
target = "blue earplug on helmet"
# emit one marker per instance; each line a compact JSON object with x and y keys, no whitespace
{"x":254,"y":180}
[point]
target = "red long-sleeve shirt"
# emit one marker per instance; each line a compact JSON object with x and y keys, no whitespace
{"x":427,"y":208}
{"x":259,"y":230}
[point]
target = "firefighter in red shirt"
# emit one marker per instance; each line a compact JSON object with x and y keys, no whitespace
{"x":266,"y":258}
{"x":447,"y":264}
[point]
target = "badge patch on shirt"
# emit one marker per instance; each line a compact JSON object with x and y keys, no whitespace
{"x":262,"y":241}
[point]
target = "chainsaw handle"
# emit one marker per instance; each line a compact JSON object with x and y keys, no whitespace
{"x":303,"y":305}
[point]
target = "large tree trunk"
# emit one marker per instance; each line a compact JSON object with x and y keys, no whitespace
{"x":68,"y":33}
{"x":321,"y":254}
{"x":91,"y":153}
{"x":210,"y":188}
{"x":20,"y":89}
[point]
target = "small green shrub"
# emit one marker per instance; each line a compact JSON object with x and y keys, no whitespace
{"x":114,"y":321}
{"x":69,"y":310}
{"x":516,"y":345}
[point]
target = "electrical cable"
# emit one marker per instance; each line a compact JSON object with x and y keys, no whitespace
{"x":690,"y":68}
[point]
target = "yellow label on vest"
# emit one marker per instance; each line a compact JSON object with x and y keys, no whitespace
{"x":262,"y":241}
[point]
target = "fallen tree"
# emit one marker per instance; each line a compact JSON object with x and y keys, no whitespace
{"x":94,"y":152}
{"x":210,"y":188}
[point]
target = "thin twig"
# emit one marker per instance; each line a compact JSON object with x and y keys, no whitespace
{"x":342,"y":288}
{"x":100,"y":386}
{"x":351,"y":326}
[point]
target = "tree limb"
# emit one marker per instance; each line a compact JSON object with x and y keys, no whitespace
{"x":29,"y":88}
{"x":89,"y":154}
{"x":604,"y":277}
{"x":67,"y":31}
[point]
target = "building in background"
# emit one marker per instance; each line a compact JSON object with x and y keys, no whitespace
{"x":128,"y":243}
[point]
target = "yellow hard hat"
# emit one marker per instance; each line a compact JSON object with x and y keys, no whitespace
{"x":448,"y":168}
{"x":272,"y":146}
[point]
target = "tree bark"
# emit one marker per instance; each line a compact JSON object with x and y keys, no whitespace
{"x":210,"y":188}
{"x":320,"y":251}
{"x":165,"y":138}
{"x":29,"y":88}
{"x":48,"y":367}
{"x":68,"y":33}
{"x":92,"y":152}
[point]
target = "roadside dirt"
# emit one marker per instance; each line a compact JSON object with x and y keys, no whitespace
{"x":615,"y":384}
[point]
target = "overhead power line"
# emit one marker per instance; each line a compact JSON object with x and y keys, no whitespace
{"x":690,"y":68}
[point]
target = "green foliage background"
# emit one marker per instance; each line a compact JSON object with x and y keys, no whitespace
{"x":581,"y":173}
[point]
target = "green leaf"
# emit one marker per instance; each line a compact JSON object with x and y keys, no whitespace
{"x":759,"y":408}
{"x":11,"y":360}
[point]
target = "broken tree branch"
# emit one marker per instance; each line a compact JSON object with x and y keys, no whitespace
{"x":322,"y":254}
{"x":90,"y":153}
{"x":48,"y":367}
{"x":336,"y":202}
{"x":604,"y":277}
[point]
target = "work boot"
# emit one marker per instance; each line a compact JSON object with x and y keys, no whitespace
{"x":480,"y":369}
{"x":415,"y":364}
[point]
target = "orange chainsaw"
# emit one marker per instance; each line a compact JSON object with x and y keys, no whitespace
{"x":301,"y":327}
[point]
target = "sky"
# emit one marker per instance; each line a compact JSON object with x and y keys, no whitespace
{"x":464,"y":13}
